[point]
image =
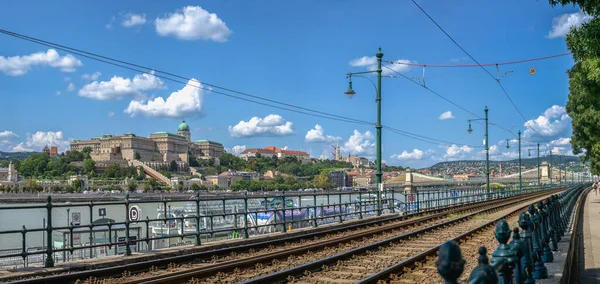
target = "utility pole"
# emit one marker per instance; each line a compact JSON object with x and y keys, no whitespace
{"x":538,"y":151}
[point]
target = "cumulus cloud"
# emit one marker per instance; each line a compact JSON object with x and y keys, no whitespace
{"x":415,"y":154}
{"x":552,"y":124}
{"x":370,"y":62}
{"x":119,"y":87}
{"x":40,"y":139}
{"x":237,"y":149}
{"x":270,"y":125}
{"x":360,"y":143}
{"x":457,"y":152}
{"x":6,"y":136}
{"x":317,"y":135}
{"x":193,"y":23}
{"x":446,"y":115}
{"x":91,"y":77}
{"x":20,"y":65}
{"x":188,"y":101}
{"x":561,"y":25}
{"x":111,"y":114}
{"x":131,"y":20}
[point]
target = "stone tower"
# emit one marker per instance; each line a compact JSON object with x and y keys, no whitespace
{"x":184,"y":130}
{"x":12,"y":173}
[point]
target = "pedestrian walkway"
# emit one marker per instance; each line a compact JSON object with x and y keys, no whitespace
{"x":590,"y":271}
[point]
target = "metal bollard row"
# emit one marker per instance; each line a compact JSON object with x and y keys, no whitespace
{"x":523,"y":259}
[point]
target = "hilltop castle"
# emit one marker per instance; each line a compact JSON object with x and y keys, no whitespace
{"x":158,"y":147}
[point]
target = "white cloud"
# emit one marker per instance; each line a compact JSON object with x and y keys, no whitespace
{"x":6,"y":135}
{"x":552,"y":124}
{"x":111,"y":114}
{"x":446,"y":115}
{"x":457,"y":152}
{"x":20,"y":65}
{"x":130,"y":20}
{"x":370,"y":62}
{"x":67,"y":79}
{"x":270,"y":125}
{"x":58,"y":93}
{"x":563,"y":23}
{"x":40,"y":139}
{"x":71,"y":87}
{"x":359,"y":143}
{"x":193,"y":23}
{"x":416,"y":154}
{"x":237,"y":149}
{"x":325,"y":155}
{"x":188,"y":101}
{"x":91,"y":77}
{"x":119,"y":87}
{"x":317,"y":135}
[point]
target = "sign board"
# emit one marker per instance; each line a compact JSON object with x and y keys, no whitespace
{"x":101,"y":212}
{"x":121,"y":247}
{"x":76,"y":218}
{"x":76,"y":239}
{"x":411,"y":198}
{"x":135,"y":213}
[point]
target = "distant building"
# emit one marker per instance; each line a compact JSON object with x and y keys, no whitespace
{"x":340,"y":178}
{"x":356,"y":161}
{"x":226,"y":179}
{"x":270,"y":151}
{"x":9,"y":174}
{"x":53,"y":150}
{"x":158,"y":147}
{"x":364,"y":180}
{"x":46,"y":150}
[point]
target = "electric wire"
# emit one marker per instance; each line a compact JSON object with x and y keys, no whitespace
{"x":120,"y":63}
{"x":478,"y":64}
{"x":152,"y":72}
{"x":483,"y":64}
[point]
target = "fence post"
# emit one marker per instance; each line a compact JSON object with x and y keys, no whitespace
{"x":315,"y":208}
{"x":198,"y":242}
{"x":246,"y":215}
{"x":284,"y":203}
{"x":340,"y":206}
{"x":49,"y":261}
{"x":24,"y":248}
{"x":393,"y":201}
{"x":127,"y":247}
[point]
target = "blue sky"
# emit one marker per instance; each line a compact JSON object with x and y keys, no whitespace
{"x":296,"y":52}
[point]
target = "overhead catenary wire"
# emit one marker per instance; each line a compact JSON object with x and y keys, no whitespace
{"x":425,"y":138}
{"x":446,"y":99}
{"x":153,"y":72}
{"x":497,"y":80}
{"x":477,"y":65}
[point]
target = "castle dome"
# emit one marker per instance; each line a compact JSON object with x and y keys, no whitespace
{"x":183,"y":126}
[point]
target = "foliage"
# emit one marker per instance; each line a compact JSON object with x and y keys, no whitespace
{"x":323,"y":181}
{"x":89,"y":166}
{"x":78,"y":184}
{"x":131,"y":185}
{"x":583,"y":105}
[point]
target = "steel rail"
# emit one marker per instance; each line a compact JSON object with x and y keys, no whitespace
{"x":204,"y":272}
{"x":282,"y":276}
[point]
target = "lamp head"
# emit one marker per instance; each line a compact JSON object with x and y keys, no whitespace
{"x":470,"y":130}
{"x":507,"y":145}
{"x":350,"y":92}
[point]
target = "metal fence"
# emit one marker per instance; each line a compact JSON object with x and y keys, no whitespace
{"x":209,"y":218}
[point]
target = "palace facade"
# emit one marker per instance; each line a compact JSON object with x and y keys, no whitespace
{"x":158,"y":147}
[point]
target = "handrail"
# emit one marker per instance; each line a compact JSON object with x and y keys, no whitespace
{"x":571,"y":269}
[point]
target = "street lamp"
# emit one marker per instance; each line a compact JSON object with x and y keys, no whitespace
{"x":487,"y":149}
{"x":350,"y":93}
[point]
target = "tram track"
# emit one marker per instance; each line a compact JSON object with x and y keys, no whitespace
{"x":213,"y":265}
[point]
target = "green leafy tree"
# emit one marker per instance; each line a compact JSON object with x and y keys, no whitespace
{"x":78,"y":184}
{"x":323,"y":181}
{"x":583,"y":105}
{"x":137,"y":156}
{"x":173,"y":166}
{"x":195,"y":187}
{"x":153,"y":184}
{"x":132,"y":185}
{"x":89,"y":165}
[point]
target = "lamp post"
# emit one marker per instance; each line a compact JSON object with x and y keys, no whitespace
{"x":487,"y":150}
{"x":350,"y":93}
{"x":520,"y":166}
